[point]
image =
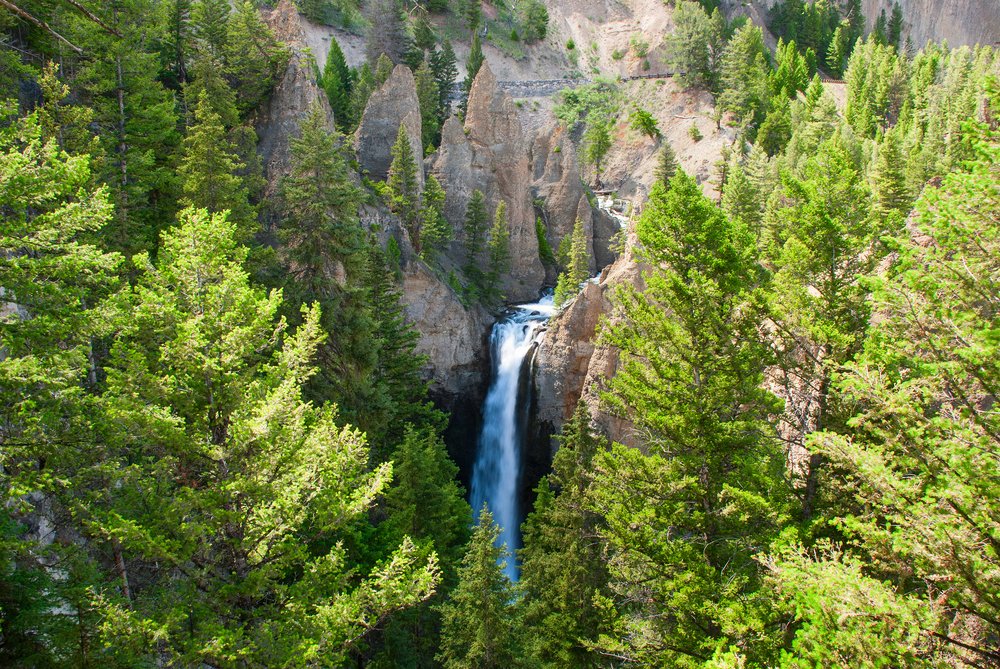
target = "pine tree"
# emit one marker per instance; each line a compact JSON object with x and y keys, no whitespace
{"x":404,"y":186}
{"x":536,"y":21}
{"x":472,"y":65}
{"x":743,"y":76}
{"x":474,"y":232}
{"x":472,"y":12}
{"x":179,"y":42}
{"x":206,"y":76}
{"x":364,"y":85}
{"x":383,"y":69}
{"x":563,"y":574}
{"x":498,"y":254}
{"x":254,"y":58}
{"x":478,"y":629}
{"x":204,"y":399}
{"x":209,"y":167}
{"x":336,"y":83}
{"x":596,"y":142}
{"x":684,"y":514}
{"x":427,"y":94}
{"x":210,"y":18}
{"x":666,"y":165}
{"x":741,"y":200}
{"x":577,"y":269}
{"x":892,"y":197}
{"x":895,"y":27}
{"x":836,"y":56}
{"x":694,"y":48}
{"x":435,"y":229}
{"x":443,"y":64}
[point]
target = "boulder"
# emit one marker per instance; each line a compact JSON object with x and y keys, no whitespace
{"x":392,"y":104}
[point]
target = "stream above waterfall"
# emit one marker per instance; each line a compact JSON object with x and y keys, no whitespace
{"x":498,"y":469}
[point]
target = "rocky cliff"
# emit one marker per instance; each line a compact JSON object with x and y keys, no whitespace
{"x":968,"y":22}
{"x":490,"y":154}
{"x":391,"y":105}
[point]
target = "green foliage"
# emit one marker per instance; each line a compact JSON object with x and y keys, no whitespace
{"x":477,"y":621}
{"x":875,"y":87}
{"x":744,"y":77}
{"x":436,"y":232}
{"x":644,"y":122}
{"x":498,"y":255}
{"x":204,"y":399}
{"x":687,"y":516}
{"x":695,"y":47}
{"x":472,"y":65}
{"x":535,"y":20}
{"x":443,"y":65}
{"x":429,"y":98}
{"x":577,"y":267}
{"x":336,"y":82}
{"x":474,"y":232}
{"x":694,"y":133}
{"x":404,"y":186}
{"x":255,"y":60}
{"x":209,"y":170}
{"x":545,"y":253}
{"x":666,"y":165}
{"x":210,"y":18}
{"x":602,"y":99}
{"x":596,"y":142}
{"x":563,"y":574}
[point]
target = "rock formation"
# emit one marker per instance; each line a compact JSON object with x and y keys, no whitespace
{"x":968,"y":22}
{"x":289,"y":104}
{"x":393,"y":104}
{"x":491,"y":154}
{"x":558,"y":183}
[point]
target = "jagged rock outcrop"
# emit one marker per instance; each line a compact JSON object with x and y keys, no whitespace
{"x":571,"y":366}
{"x":558,"y":183}
{"x":491,"y":154}
{"x":392,"y":104}
{"x":291,"y":100}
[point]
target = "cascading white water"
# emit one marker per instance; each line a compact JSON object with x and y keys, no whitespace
{"x":497,"y":472}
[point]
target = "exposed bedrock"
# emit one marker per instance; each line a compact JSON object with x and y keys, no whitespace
{"x":392,"y":104}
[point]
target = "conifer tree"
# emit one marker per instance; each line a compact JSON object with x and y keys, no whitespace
{"x":336,"y":82}
{"x":474,"y":231}
{"x":443,"y":64}
{"x":478,"y":629}
{"x":892,"y":197}
{"x":563,"y":574}
{"x":836,"y":57}
{"x":364,"y":85}
{"x":472,"y":12}
{"x":577,"y":270}
{"x":206,"y":76}
{"x":597,"y":142}
{"x":666,"y":165}
{"x":743,"y":76}
{"x":404,"y":186}
{"x":180,"y":38}
{"x":383,"y":70}
{"x":498,"y":254}
{"x":254,"y":59}
{"x":684,"y":515}
{"x":435,"y":229}
{"x":472,"y":65}
{"x":204,"y":406}
{"x":209,"y":169}
{"x":741,"y":200}
{"x":427,"y":94}
{"x":210,"y":18}
{"x":894,"y":31}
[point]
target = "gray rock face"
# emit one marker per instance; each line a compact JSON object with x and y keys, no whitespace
{"x":393,"y":104}
{"x":297,"y":91}
{"x":452,"y":337}
{"x":572,"y":366}
{"x":960,"y":22}
{"x":490,"y":154}
{"x":557,"y":181}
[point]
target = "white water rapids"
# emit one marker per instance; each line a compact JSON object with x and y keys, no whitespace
{"x":497,"y":472}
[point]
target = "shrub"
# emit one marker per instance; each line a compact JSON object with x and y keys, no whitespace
{"x":694,"y":133}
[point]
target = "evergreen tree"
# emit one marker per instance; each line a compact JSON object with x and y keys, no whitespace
{"x":563,"y":574}
{"x":336,"y":83}
{"x":472,"y":12}
{"x":577,"y":269}
{"x":596,"y":142}
{"x":836,"y":55}
{"x":427,"y":94}
{"x":210,"y":18}
{"x":425,"y":503}
{"x":536,"y":21}
{"x":474,"y":231}
{"x":695,"y":46}
{"x":436,"y":231}
{"x":254,"y":59}
{"x":404,"y":186}
{"x":206,"y":76}
{"x":472,"y":65}
{"x":478,"y":629}
{"x":741,"y":200}
{"x":443,"y":64}
{"x":792,"y":72}
{"x":666,"y":165}
{"x":919,"y":464}
{"x":383,"y":69}
{"x":364,"y":85}
{"x":326,"y":260}
{"x":498,"y":254}
{"x":204,"y":407}
{"x":179,"y":42}
{"x":687,"y":515}
{"x":892,"y":196}
{"x":209,"y":168}
{"x":744,"y":76}
{"x":894,"y":30}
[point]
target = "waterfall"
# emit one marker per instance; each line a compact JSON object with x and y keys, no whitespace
{"x":497,"y":472}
